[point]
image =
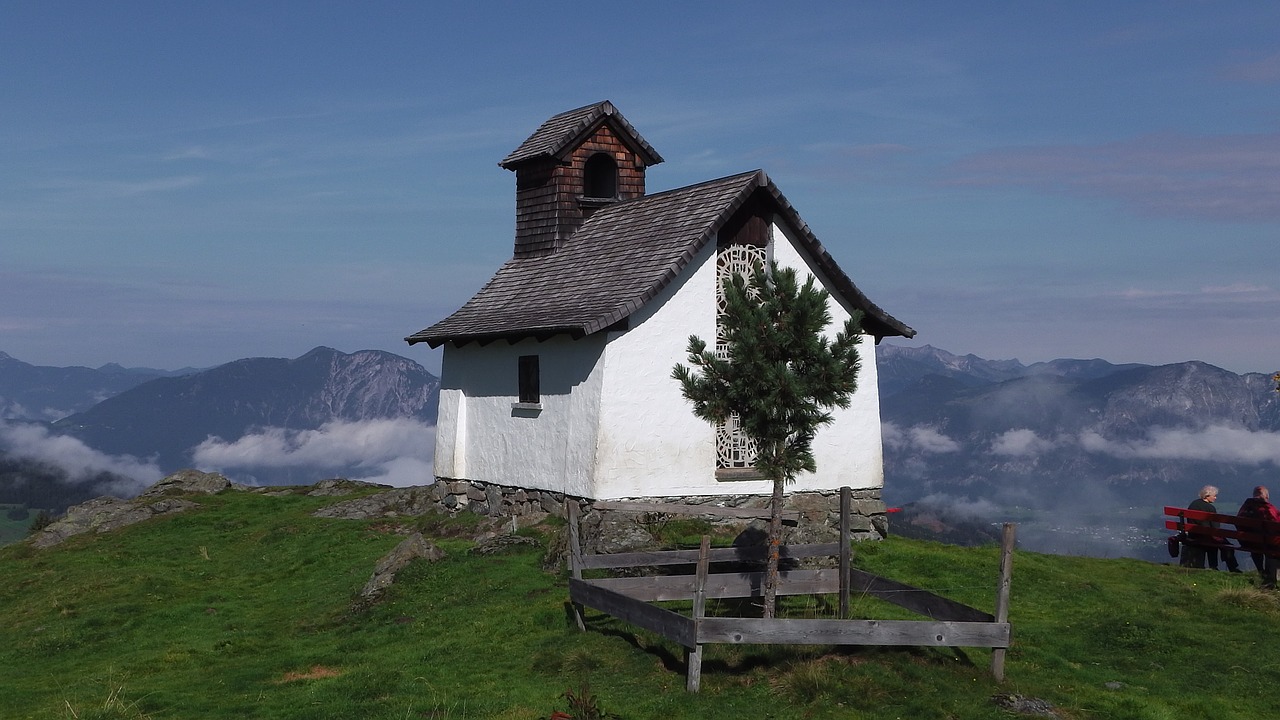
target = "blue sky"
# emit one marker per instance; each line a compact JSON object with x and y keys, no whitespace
{"x":184,"y":184}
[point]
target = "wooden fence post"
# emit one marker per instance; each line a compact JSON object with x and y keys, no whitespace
{"x":845,"y":509}
{"x":1008,"y":537}
{"x":575,"y":553}
{"x":693,"y":656}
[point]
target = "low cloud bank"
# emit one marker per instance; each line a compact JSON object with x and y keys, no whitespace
{"x":80,"y":463}
{"x":1220,"y":443}
{"x":980,"y":509}
{"x":391,"y":452}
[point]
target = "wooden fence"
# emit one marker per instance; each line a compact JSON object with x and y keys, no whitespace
{"x":950,"y":624}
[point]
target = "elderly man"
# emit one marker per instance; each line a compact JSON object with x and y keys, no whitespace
{"x":1198,"y":557}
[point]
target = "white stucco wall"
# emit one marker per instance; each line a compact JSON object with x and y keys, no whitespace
{"x":849,"y":450}
{"x":613,"y":423}
{"x":482,"y":436}
{"x":650,"y":441}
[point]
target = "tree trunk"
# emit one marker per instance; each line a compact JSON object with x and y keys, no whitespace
{"x":775,"y":540}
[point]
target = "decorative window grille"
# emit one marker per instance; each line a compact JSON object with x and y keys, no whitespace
{"x":733,"y":448}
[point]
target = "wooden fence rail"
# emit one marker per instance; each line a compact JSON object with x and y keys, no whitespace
{"x":950,"y":624}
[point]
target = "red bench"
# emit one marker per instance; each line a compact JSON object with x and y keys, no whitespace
{"x":1253,"y":535}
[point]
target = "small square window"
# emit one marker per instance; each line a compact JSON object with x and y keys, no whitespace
{"x":529,"y":377}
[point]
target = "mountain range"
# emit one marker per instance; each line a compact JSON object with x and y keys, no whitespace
{"x":1090,"y":449}
{"x":366,"y":414}
{"x":166,"y":418}
{"x":39,"y":393}
{"x":1085,"y":450}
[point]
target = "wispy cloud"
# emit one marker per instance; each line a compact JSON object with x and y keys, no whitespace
{"x":1224,"y":177}
{"x":957,"y":506}
{"x":123,"y":188}
{"x":81,"y":463}
{"x":394,"y":451}
{"x":1263,"y":70}
{"x":1021,"y":443}
{"x":920,"y":438}
{"x":1214,"y":444}
{"x":190,"y":152}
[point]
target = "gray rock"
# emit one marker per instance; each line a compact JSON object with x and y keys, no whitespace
{"x":105,"y":514}
{"x":384,"y":573}
{"x":616,"y":533}
{"x":187,"y":482}
{"x":410,"y":501}
{"x":339,"y":486}
{"x":1026,"y":705}
{"x":498,"y":543}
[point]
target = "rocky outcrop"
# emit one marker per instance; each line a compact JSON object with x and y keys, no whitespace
{"x":408,"y":502}
{"x":106,"y":513}
{"x":188,"y":482}
{"x":412,"y":548}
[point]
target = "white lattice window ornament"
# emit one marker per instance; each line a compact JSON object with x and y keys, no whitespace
{"x":733,"y":448}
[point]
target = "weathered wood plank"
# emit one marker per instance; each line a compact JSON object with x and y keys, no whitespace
{"x":846,"y":502}
{"x":1008,"y":538}
{"x":672,"y":626}
{"x":693,"y":658}
{"x":914,"y":599}
{"x":676,"y":508}
{"x":853,"y":632}
{"x":751,"y":554}
{"x":822,"y":581}
{"x":575,"y":555}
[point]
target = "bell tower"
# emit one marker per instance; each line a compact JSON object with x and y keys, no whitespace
{"x":574,"y":164}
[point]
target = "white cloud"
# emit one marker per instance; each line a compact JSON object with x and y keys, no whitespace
{"x":80,"y":462}
{"x":982,"y":509}
{"x":920,"y":438}
{"x":1021,"y":443}
{"x":1219,"y":443}
{"x":394,"y":452}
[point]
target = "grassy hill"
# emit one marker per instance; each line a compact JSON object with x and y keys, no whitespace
{"x":245,"y":608}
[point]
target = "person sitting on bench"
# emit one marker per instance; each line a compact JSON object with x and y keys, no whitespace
{"x":1259,"y":507}
{"x":1198,"y":557}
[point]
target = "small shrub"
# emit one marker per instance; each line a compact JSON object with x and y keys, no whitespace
{"x":43,"y":519}
{"x":584,"y":705}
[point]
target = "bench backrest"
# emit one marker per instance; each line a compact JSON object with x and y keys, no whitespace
{"x":1248,"y":531}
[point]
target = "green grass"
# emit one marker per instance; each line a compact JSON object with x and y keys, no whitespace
{"x":244,"y":609}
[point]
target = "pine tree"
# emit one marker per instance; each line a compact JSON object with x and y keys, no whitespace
{"x":779,"y":375}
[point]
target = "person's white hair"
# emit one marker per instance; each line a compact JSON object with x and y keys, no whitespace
{"x":1208,"y":490}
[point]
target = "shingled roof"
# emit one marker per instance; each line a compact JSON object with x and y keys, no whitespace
{"x":619,"y":260}
{"x":560,"y":135}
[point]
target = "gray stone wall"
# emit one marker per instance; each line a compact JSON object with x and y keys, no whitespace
{"x":614,"y":531}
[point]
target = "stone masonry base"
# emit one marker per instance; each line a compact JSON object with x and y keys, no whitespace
{"x":616,"y":531}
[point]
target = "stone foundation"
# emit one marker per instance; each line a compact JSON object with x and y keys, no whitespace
{"x":615,"y":530}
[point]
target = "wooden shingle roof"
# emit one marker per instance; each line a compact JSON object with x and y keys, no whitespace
{"x":619,"y":260}
{"x":560,"y":135}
